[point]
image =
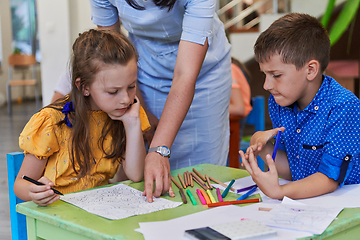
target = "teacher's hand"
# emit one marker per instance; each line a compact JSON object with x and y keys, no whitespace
{"x":157,"y":168}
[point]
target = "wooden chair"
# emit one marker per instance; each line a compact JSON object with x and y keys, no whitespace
{"x":19,"y":61}
{"x":18,"y":221}
{"x":256,"y":118}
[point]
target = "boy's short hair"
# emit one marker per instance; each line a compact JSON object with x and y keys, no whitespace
{"x":298,"y":38}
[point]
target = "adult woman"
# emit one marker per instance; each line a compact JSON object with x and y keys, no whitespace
{"x":184,"y":76}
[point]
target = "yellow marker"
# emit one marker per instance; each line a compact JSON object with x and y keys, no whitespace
{"x":211,"y":196}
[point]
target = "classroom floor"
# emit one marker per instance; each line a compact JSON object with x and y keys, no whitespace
{"x":10,"y":129}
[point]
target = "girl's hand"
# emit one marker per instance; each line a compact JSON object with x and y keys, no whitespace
{"x":132,"y":114}
{"x":43,"y":195}
{"x":260,"y":139}
{"x":268,"y":182}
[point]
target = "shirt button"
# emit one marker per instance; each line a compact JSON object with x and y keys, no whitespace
{"x":313,"y":148}
{"x":346,"y":158}
{"x":316,"y":108}
{"x":298,"y":130}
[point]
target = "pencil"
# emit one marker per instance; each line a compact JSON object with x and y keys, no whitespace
{"x":219,"y":195}
{"x":233,"y":202}
{"x":207,"y":199}
{"x":221,"y":183}
{"x":208,"y":181}
{"x":202,"y":200}
{"x":201,"y":184}
{"x":198,"y":180}
{"x":201,"y":176}
{"x":183,"y":197}
{"x":181,"y":180}
{"x":188,"y":178}
{"x":175,"y":182}
{"x":185,"y":179}
{"x":39,"y":184}
{"x":212,"y":199}
{"x":247,"y":193}
{"x":191,"y":197}
{"x":191,"y":180}
{"x":227,"y":189}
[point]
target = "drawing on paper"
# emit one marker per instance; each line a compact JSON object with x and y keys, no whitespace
{"x":117,"y":202}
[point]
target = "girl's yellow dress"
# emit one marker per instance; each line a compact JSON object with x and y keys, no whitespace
{"x":43,"y":138}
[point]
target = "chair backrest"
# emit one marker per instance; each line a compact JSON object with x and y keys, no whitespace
{"x":20,"y":60}
{"x":257,"y":115}
{"x":18,"y":221}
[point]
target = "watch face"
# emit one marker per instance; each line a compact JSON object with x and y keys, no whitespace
{"x":164,"y":151}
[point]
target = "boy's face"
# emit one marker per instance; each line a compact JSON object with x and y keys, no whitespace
{"x":285,"y":83}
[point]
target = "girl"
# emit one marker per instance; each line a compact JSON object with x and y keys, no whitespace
{"x":79,"y":141}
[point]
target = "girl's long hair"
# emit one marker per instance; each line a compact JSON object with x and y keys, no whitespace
{"x":160,"y":3}
{"x":91,"y":51}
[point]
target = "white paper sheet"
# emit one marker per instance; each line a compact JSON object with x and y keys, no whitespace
{"x":117,"y":202}
{"x":174,"y":229}
{"x":313,"y":219}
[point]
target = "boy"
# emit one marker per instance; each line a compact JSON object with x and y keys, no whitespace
{"x":319,"y":146}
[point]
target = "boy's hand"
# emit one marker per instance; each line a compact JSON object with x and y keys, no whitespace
{"x":260,"y":139}
{"x":43,"y":195}
{"x":268,"y":182}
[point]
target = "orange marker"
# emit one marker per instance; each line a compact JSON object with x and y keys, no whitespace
{"x":207,"y":199}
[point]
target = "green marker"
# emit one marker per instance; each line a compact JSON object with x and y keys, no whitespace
{"x":191,"y":197}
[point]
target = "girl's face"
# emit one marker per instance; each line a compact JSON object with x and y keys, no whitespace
{"x":113,"y":89}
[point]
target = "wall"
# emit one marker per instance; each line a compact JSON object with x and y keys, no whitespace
{"x":59,"y":23}
{"x":6,"y":33}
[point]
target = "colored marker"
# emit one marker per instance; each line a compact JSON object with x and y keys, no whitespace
{"x":212,"y":199}
{"x":219,"y":195}
{"x":191,"y":197}
{"x":246,"y":188}
{"x":207,"y":199}
{"x":247,"y":194}
{"x":202,"y":200}
{"x":182,"y":194}
{"x":233,"y":202}
{"x":276,"y":145}
{"x":39,"y":184}
{"x":227,"y":189}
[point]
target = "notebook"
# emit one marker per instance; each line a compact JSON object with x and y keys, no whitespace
{"x":239,"y":230}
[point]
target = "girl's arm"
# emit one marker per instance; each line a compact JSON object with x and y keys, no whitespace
{"x":34,"y":168}
{"x":188,"y":64}
{"x":134,"y":156}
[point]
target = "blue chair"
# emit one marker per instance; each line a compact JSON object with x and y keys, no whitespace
{"x":18,"y":221}
{"x":256,"y":118}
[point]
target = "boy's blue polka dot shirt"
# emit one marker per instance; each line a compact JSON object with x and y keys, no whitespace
{"x":324,"y":137}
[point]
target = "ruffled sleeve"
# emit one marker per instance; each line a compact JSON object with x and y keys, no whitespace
{"x":145,"y":125}
{"x":39,"y":135}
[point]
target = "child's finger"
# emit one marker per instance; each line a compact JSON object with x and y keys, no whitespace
{"x":245,"y":162}
{"x":271,"y":164}
{"x":253,"y":161}
{"x":48,"y":200}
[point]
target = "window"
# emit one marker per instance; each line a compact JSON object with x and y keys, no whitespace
{"x":24,"y":27}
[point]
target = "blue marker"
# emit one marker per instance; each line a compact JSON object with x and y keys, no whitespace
{"x":247,"y":194}
{"x":276,"y":145}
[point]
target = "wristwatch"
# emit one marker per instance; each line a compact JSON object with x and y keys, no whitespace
{"x":162,"y":150}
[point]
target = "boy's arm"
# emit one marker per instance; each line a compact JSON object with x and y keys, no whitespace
{"x":314,"y":185}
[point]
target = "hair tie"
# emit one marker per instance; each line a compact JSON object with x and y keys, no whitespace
{"x":68,"y":107}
